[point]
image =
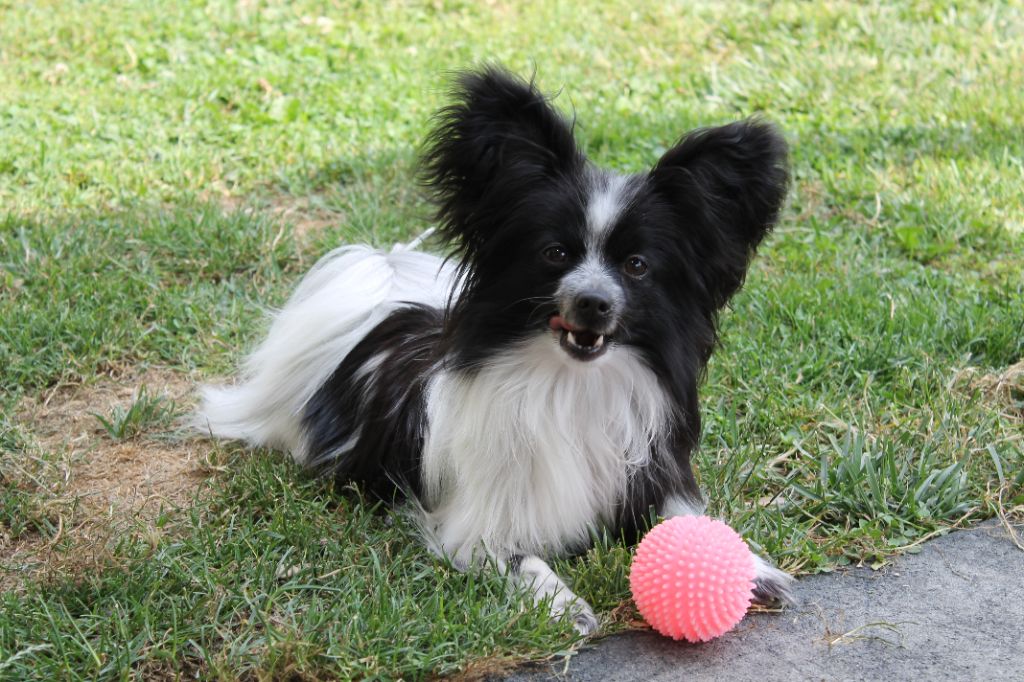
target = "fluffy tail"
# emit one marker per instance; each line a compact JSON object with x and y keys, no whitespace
{"x":344,"y":296}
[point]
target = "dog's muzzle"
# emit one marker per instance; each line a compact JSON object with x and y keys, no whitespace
{"x":585,"y":326}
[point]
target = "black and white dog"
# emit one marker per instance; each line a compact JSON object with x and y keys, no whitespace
{"x":543,"y":383}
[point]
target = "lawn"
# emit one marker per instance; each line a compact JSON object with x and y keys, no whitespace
{"x":168,"y":170}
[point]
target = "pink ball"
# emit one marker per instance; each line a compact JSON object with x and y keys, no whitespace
{"x":692,"y":577}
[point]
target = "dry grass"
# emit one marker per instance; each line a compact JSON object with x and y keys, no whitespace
{"x":1005,"y":388}
{"x":99,"y":488}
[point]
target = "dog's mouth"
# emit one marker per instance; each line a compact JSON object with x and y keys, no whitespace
{"x":580,"y":343}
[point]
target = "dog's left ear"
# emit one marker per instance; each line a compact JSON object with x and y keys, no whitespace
{"x":725,"y":186}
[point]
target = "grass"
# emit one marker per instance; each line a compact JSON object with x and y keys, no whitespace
{"x":145,"y":412}
{"x":167,"y":170}
{"x":278,"y":574}
{"x":30,"y":485}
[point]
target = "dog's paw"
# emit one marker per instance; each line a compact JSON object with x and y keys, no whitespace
{"x":586,"y":623}
{"x":771,"y":585}
{"x":533,"y":574}
{"x":572,"y":607}
{"x":583,"y":618}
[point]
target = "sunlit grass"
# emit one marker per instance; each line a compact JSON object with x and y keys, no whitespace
{"x":168,"y":170}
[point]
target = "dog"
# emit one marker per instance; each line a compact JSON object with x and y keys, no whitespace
{"x":540,"y":383}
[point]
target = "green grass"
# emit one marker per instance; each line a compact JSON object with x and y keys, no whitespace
{"x":146,"y":411}
{"x":278,"y":574}
{"x":157,"y":160}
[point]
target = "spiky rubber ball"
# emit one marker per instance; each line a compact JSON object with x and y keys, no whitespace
{"x":692,"y":577}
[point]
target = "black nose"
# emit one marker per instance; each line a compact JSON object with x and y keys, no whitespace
{"x":593,"y":304}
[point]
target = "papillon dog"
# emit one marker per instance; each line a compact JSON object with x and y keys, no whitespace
{"x":537,"y":386}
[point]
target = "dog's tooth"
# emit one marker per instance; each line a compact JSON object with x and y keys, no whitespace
{"x":599,"y":342}
{"x":572,"y":338}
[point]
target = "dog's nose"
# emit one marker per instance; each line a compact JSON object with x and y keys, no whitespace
{"x":593,"y":305}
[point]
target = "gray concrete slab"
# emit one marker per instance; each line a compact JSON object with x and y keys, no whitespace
{"x":954,"y":611}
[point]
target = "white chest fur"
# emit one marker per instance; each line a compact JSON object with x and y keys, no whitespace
{"x":528,"y":454}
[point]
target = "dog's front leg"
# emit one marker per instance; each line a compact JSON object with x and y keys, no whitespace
{"x":771,"y":585}
{"x":532,"y":574}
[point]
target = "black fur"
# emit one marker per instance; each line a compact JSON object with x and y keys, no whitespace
{"x":490,"y":152}
{"x":503,"y":169}
{"x":387,"y":411}
{"x":724,"y":187}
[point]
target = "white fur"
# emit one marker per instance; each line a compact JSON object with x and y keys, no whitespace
{"x":532,"y":451}
{"x":776,"y":579}
{"x":347,"y":293}
{"x":535,"y":576}
{"x":674,"y":505}
{"x":609,"y":196}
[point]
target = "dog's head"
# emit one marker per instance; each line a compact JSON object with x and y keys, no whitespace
{"x":550,"y":244}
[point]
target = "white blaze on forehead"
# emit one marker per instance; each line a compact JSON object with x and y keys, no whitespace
{"x":609,"y":195}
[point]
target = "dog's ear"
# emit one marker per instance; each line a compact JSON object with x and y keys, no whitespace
{"x":725,"y":186}
{"x":498,"y":140}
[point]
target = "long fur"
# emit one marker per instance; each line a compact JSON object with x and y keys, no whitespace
{"x":522,"y":460}
{"x":543,"y":383}
{"x":349,"y":293}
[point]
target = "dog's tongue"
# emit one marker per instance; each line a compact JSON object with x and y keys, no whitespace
{"x":558,"y":323}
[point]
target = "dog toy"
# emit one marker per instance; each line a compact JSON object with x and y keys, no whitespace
{"x":692,"y":577}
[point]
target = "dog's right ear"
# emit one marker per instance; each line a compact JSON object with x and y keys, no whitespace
{"x":495,"y":143}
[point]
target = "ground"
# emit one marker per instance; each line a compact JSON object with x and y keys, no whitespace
{"x":102,"y":486}
{"x":941,"y":614}
{"x":168,"y":170}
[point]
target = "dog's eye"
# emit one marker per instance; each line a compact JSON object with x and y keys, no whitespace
{"x":635,"y":266}
{"x":556,"y":254}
